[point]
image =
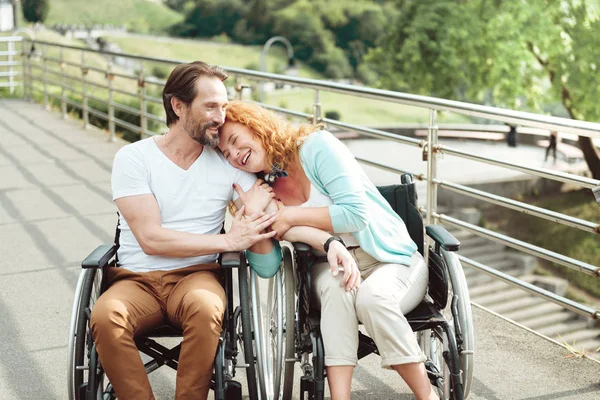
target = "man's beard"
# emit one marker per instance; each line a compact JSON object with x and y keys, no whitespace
{"x":198,"y":133}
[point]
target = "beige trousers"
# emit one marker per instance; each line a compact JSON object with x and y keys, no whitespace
{"x":387,"y":293}
{"x":190,"y":299}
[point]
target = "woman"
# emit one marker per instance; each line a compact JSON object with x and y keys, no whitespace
{"x":319,"y":184}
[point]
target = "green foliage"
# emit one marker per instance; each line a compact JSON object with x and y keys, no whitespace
{"x":330,"y":36}
{"x":136,"y":15}
{"x":495,"y":52}
{"x":333,"y":114}
{"x":35,"y":10}
{"x":555,"y":237}
{"x":210,"y":18}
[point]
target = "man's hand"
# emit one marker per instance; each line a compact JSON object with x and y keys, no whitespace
{"x":283,"y":223}
{"x":245,"y":231}
{"x":256,"y":198}
{"x":338,"y":256}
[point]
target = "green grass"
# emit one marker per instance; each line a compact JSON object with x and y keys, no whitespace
{"x":356,"y":110}
{"x":571,"y":242}
{"x":137,"y":15}
{"x":212,"y":52}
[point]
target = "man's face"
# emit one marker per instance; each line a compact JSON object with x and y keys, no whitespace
{"x":203,"y":118}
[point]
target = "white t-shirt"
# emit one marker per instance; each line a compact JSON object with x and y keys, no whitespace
{"x":193,"y":200}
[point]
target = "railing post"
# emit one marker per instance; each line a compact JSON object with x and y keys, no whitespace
{"x":25,"y":61}
{"x":238,"y":87}
{"x":45,"y":77}
{"x":316,"y":109}
{"x":63,"y":101}
{"x":142,"y":94}
{"x":432,"y":145}
{"x":11,"y":84}
{"x":111,"y":108}
{"x":84,"y":98}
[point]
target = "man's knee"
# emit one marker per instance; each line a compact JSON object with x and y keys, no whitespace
{"x":107,"y":315}
{"x":203,"y":306}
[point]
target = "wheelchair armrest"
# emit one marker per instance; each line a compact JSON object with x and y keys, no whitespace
{"x":100,"y":257}
{"x":302,"y":248}
{"x":232,"y":259}
{"x":442,"y":237}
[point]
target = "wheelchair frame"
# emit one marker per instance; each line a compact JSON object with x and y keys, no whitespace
{"x":82,"y":356}
{"x":442,"y":322}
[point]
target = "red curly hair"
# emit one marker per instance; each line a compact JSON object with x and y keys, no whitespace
{"x":279,"y":137}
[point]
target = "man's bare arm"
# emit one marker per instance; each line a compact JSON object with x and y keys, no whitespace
{"x":143,"y":217}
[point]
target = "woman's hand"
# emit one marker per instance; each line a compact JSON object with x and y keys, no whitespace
{"x":256,"y":198}
{"x":338,"y":256}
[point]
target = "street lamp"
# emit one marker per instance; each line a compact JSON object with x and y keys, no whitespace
{"x":263,"y":59}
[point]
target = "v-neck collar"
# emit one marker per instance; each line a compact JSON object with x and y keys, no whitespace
{"x":174,"y":163}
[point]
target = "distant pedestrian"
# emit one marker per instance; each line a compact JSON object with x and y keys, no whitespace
{"x":511,"y":138}
{"x":552,"y":145}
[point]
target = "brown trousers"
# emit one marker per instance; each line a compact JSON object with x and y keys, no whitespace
{"x":190,"y":299}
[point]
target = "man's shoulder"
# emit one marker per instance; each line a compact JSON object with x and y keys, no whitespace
{"x":136,"y":149}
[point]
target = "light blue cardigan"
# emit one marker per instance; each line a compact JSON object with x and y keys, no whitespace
{"x":357,"y":207}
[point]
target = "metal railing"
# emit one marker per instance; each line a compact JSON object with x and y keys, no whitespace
{"x":37,"y":64}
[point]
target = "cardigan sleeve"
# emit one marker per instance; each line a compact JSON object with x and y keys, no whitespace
{"x":331,"y":166}
{"x":265,"y":265}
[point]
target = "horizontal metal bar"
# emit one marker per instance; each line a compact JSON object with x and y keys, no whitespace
{"x":286,"y":111}
{"x":127,"y":125}
{"x":523,"y":246}
{"x":98,"y":99}
{"x":156,"y":118}
{"x":73,"y":103}
{"x":521,"y":207}
{"x":98,"y":113}
{"x":356,"y":128}
{"x":123,"y":107}
{"x":577,"y":127}
{"x":9,"y":73}
{"x":156,"y":100}
{"x":533,"y":289}
{"x":11,"y":38}
{"x":90,"y":68}
{"x":9,"y":84}
{"x":155,"y":81}
{"x":8,"y":63}
{"x":375,"y":133}
{"x":125,"y":92}
{"x":541,"y":172}
{"x":384,"y":167}
{"x":126,"y":76}
{"x":9,"y":53}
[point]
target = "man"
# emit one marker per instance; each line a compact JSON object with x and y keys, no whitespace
{"x":172,"y":192}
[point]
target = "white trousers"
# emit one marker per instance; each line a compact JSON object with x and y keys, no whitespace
{"x":387,"y":293}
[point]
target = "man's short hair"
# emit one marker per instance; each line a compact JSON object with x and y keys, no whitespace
{"x":182,"y":84}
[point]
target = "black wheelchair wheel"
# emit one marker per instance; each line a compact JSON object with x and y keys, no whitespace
{"x":246,"y":334}
{"x":89,"y":380}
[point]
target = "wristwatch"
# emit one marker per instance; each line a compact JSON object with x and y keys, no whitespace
{"x":331,"y":239}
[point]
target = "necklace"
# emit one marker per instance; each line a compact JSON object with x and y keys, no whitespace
{"x":169,"y":148}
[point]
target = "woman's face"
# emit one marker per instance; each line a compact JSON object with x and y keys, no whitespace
{"x":242,"y":148}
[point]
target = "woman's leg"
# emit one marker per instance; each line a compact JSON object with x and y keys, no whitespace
{"x":386,"y":295}
{"x":339,"y":329}
{"x":415,"y":376}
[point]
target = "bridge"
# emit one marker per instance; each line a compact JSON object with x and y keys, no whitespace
{"x":55,"y":206}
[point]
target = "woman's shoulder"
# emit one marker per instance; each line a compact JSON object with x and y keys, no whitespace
{"x":318,"y":140}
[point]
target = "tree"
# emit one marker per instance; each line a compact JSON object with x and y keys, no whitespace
{"x":35,"y":10}
{"x":498,"y":52}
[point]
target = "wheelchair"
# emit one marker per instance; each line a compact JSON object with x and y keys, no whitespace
{"x":86,"y":378}
{"x":290,"y":331}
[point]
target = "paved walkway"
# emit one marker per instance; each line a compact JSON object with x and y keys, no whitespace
{"x":55,"y":207}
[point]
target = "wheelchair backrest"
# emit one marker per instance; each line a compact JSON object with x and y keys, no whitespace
{"x":403,"y":199}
